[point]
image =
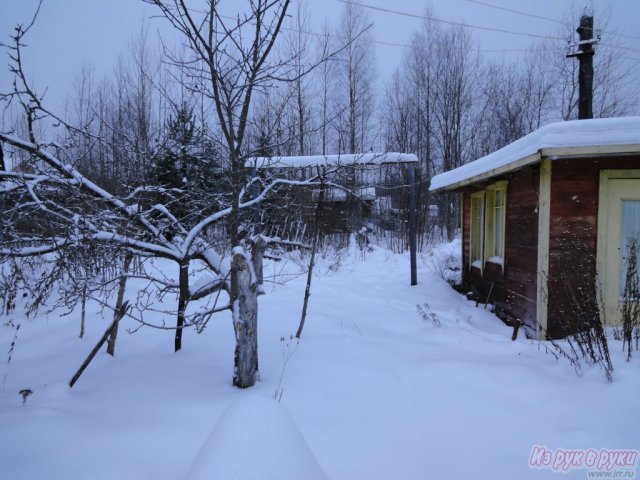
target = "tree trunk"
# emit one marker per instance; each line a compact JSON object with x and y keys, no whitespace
{"x":245,"y":323}
{"x":314,"y":247}
{"x":118,"y":316}
{"x":83,"y":309}
{"x":183,"y":300}
{"x":257,"y":255}
{"x":122,"y":283}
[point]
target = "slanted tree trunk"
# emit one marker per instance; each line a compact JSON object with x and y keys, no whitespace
{"x":183,"y":300}
{"x":122,"y":283}
{"x":245,"y":322}
{"x":314,"y":248}
{"x":118,"y":316}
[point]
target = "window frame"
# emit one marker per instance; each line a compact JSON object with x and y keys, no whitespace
{"x":495,"y":223}
{"x":476,"y":230}
{"x":487,"y":226}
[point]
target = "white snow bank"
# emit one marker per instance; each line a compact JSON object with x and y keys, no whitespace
{"x":566,"y":135}
{"x":255,"y":439}
{"x":342,"y":159}
{"x":378,"y":391}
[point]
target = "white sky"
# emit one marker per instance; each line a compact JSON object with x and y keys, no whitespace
{"x":70,"y":33}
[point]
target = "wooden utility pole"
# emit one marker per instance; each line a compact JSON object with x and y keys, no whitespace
{"x":413,"y":240}
{"x":585,"y":73}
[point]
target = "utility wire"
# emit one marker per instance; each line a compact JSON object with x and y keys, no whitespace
{"x":554,"y":20}
{"x":621,"y":47}
{"x":403,"y":45}
{"x":449,"y":22}
{"x":330,"y":35}
{"x":540,"y":17}
{"x":480,"y":27}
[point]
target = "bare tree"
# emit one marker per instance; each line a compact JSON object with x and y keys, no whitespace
{"x":514,"y":101}
{"x":76,"y":212}
{"x":455,"y":91}
{"x":299,"y":51}
{"x":325,"y":73}
{"x":354,"y":81}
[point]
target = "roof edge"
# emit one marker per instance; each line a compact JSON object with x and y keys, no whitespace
{"x":572,"y":138}
{"x":551,"y":153}
{"x":522,"y":162}
{"x":555,"y":153}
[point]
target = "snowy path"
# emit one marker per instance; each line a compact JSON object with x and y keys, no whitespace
{"x":377,"y":392}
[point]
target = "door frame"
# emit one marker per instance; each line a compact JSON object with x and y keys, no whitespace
{"x":603,"y":231}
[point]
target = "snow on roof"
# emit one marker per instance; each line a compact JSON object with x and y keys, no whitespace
{"x":334,"y":194}
{"x":574,"y":137}
{"x":342,"y":159}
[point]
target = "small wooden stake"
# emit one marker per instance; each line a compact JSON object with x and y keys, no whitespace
{"x":120,"y":313}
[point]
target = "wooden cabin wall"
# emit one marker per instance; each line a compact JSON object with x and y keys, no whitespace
{"x":573,"y":240}
{"x":511,"y":289}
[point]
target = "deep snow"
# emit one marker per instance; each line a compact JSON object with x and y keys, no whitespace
{"x":375,"y":391}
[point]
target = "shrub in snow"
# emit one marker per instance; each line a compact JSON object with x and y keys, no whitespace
{"x":25,"y":394}
{"x":631,"y":299}
{"x":575,"y":296}
{"x":428,"y":315}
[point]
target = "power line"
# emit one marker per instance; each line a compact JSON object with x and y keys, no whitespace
{"x":449,"y":22}
{"x":630,"y":49}
{"x":403,"y":45}
{"x":540,"y":17}
{"x":622,"y":35}
{"x":516,"y":12}
{"x":480,"y":27}
{"x":330,"y":35}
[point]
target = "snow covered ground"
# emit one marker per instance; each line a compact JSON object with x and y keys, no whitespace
{"x":376,"y":391}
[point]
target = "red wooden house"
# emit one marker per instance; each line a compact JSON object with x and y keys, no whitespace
{"x":546,"y":222}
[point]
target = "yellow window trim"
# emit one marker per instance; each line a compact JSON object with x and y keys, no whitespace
{"x":496,"y":185}
{"x":485,"y":233}
{"x":492,"y":223}
{"x":544,"y":228}
{"x":472,"y":230}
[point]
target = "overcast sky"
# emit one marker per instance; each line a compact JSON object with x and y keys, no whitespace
{"x":70,"y":33}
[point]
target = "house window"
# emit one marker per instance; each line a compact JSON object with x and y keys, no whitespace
{"x":477,"y":229}
{"x":630,"y":236}
{"x":495,"y":222}
{"x":488,"y":218}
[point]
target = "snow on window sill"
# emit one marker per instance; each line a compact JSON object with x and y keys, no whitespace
{"x":496,"y":260}
{"x":477,"y":264}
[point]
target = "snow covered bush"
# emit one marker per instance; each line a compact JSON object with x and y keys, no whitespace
{"x":631,"y":299}
{"x":576,"y":297}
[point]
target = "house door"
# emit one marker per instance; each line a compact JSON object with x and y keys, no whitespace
{"x":619,"y":224}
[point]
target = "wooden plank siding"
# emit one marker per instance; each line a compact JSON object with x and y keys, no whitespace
{"x":511,"y":289}
{"x":572,"y":283}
